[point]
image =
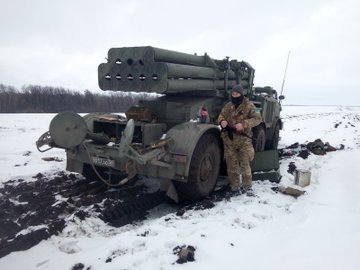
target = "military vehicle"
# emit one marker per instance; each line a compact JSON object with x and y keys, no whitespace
{"x":174,"y":137}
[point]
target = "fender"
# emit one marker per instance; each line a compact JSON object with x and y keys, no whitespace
{"x":185,"y":136}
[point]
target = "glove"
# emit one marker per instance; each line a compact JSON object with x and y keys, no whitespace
{"x":230,"y":131}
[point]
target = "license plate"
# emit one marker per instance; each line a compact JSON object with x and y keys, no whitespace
{"x":105,"y":162}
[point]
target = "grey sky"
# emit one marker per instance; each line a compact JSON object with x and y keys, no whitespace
{"x":61,"y":43}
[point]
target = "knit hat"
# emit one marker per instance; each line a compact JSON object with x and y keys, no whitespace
{"x":239,"y":89}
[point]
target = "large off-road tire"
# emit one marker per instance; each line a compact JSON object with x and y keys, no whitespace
{"x":204,"y":170}
{"x":259,"y":138}
{"x":273,"y":144}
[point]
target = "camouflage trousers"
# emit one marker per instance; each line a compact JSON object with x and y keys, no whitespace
{"x":238,"y":154}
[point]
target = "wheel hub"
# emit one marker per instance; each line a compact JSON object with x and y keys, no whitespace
{"x":205,"y":168}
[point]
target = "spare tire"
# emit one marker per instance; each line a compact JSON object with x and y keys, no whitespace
{"x":259,"y":138}
{"x":274,"y":142}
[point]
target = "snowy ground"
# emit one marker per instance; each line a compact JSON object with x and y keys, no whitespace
{"x":319,"y":230}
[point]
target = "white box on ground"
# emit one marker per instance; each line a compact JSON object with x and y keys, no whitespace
{"x":302,"y":177}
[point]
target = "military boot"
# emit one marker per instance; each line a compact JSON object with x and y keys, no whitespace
{"x":230,"y":192}
{"x":248,"y":191}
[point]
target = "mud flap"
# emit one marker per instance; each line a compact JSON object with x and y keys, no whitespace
{"x":265,"y":166}
{"x":168,"y":186}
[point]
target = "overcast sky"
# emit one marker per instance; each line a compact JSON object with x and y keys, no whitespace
{"x":61,"y":43}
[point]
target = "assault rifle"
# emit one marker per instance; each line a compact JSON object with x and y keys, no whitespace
{"x":230,"y":130}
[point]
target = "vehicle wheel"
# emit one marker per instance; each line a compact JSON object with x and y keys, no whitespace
{"x":273,"y":144}
{"x":204,"y":170}
{"x":259,"y":138}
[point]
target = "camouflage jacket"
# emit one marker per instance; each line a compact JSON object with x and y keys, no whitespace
{"x":245,"y":114}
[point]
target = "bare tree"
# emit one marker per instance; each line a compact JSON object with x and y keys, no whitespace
{"x":36,"y":98}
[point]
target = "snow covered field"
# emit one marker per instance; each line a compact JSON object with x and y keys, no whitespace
{"x":319,"y":230}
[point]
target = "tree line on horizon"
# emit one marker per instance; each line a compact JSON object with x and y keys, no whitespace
{"x":48,"y":99}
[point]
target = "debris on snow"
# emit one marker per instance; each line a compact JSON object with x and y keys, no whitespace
{"x":185,"y":254}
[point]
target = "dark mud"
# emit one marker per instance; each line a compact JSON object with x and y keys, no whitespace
{"x":304,"y":150}
{"x":32,"y":211}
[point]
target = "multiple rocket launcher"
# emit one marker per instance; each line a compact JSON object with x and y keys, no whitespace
{"x":149,"y":69}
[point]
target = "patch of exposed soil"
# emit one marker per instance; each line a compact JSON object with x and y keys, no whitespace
{"x":32,"y":211}
{"x":317,"y":147}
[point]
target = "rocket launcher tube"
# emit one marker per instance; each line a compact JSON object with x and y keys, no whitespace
{"x":140,"y":69}
{"x":162,"y":78}
{"x":133,"y":54}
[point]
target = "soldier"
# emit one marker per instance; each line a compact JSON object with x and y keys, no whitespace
{"x":238,"y":117}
